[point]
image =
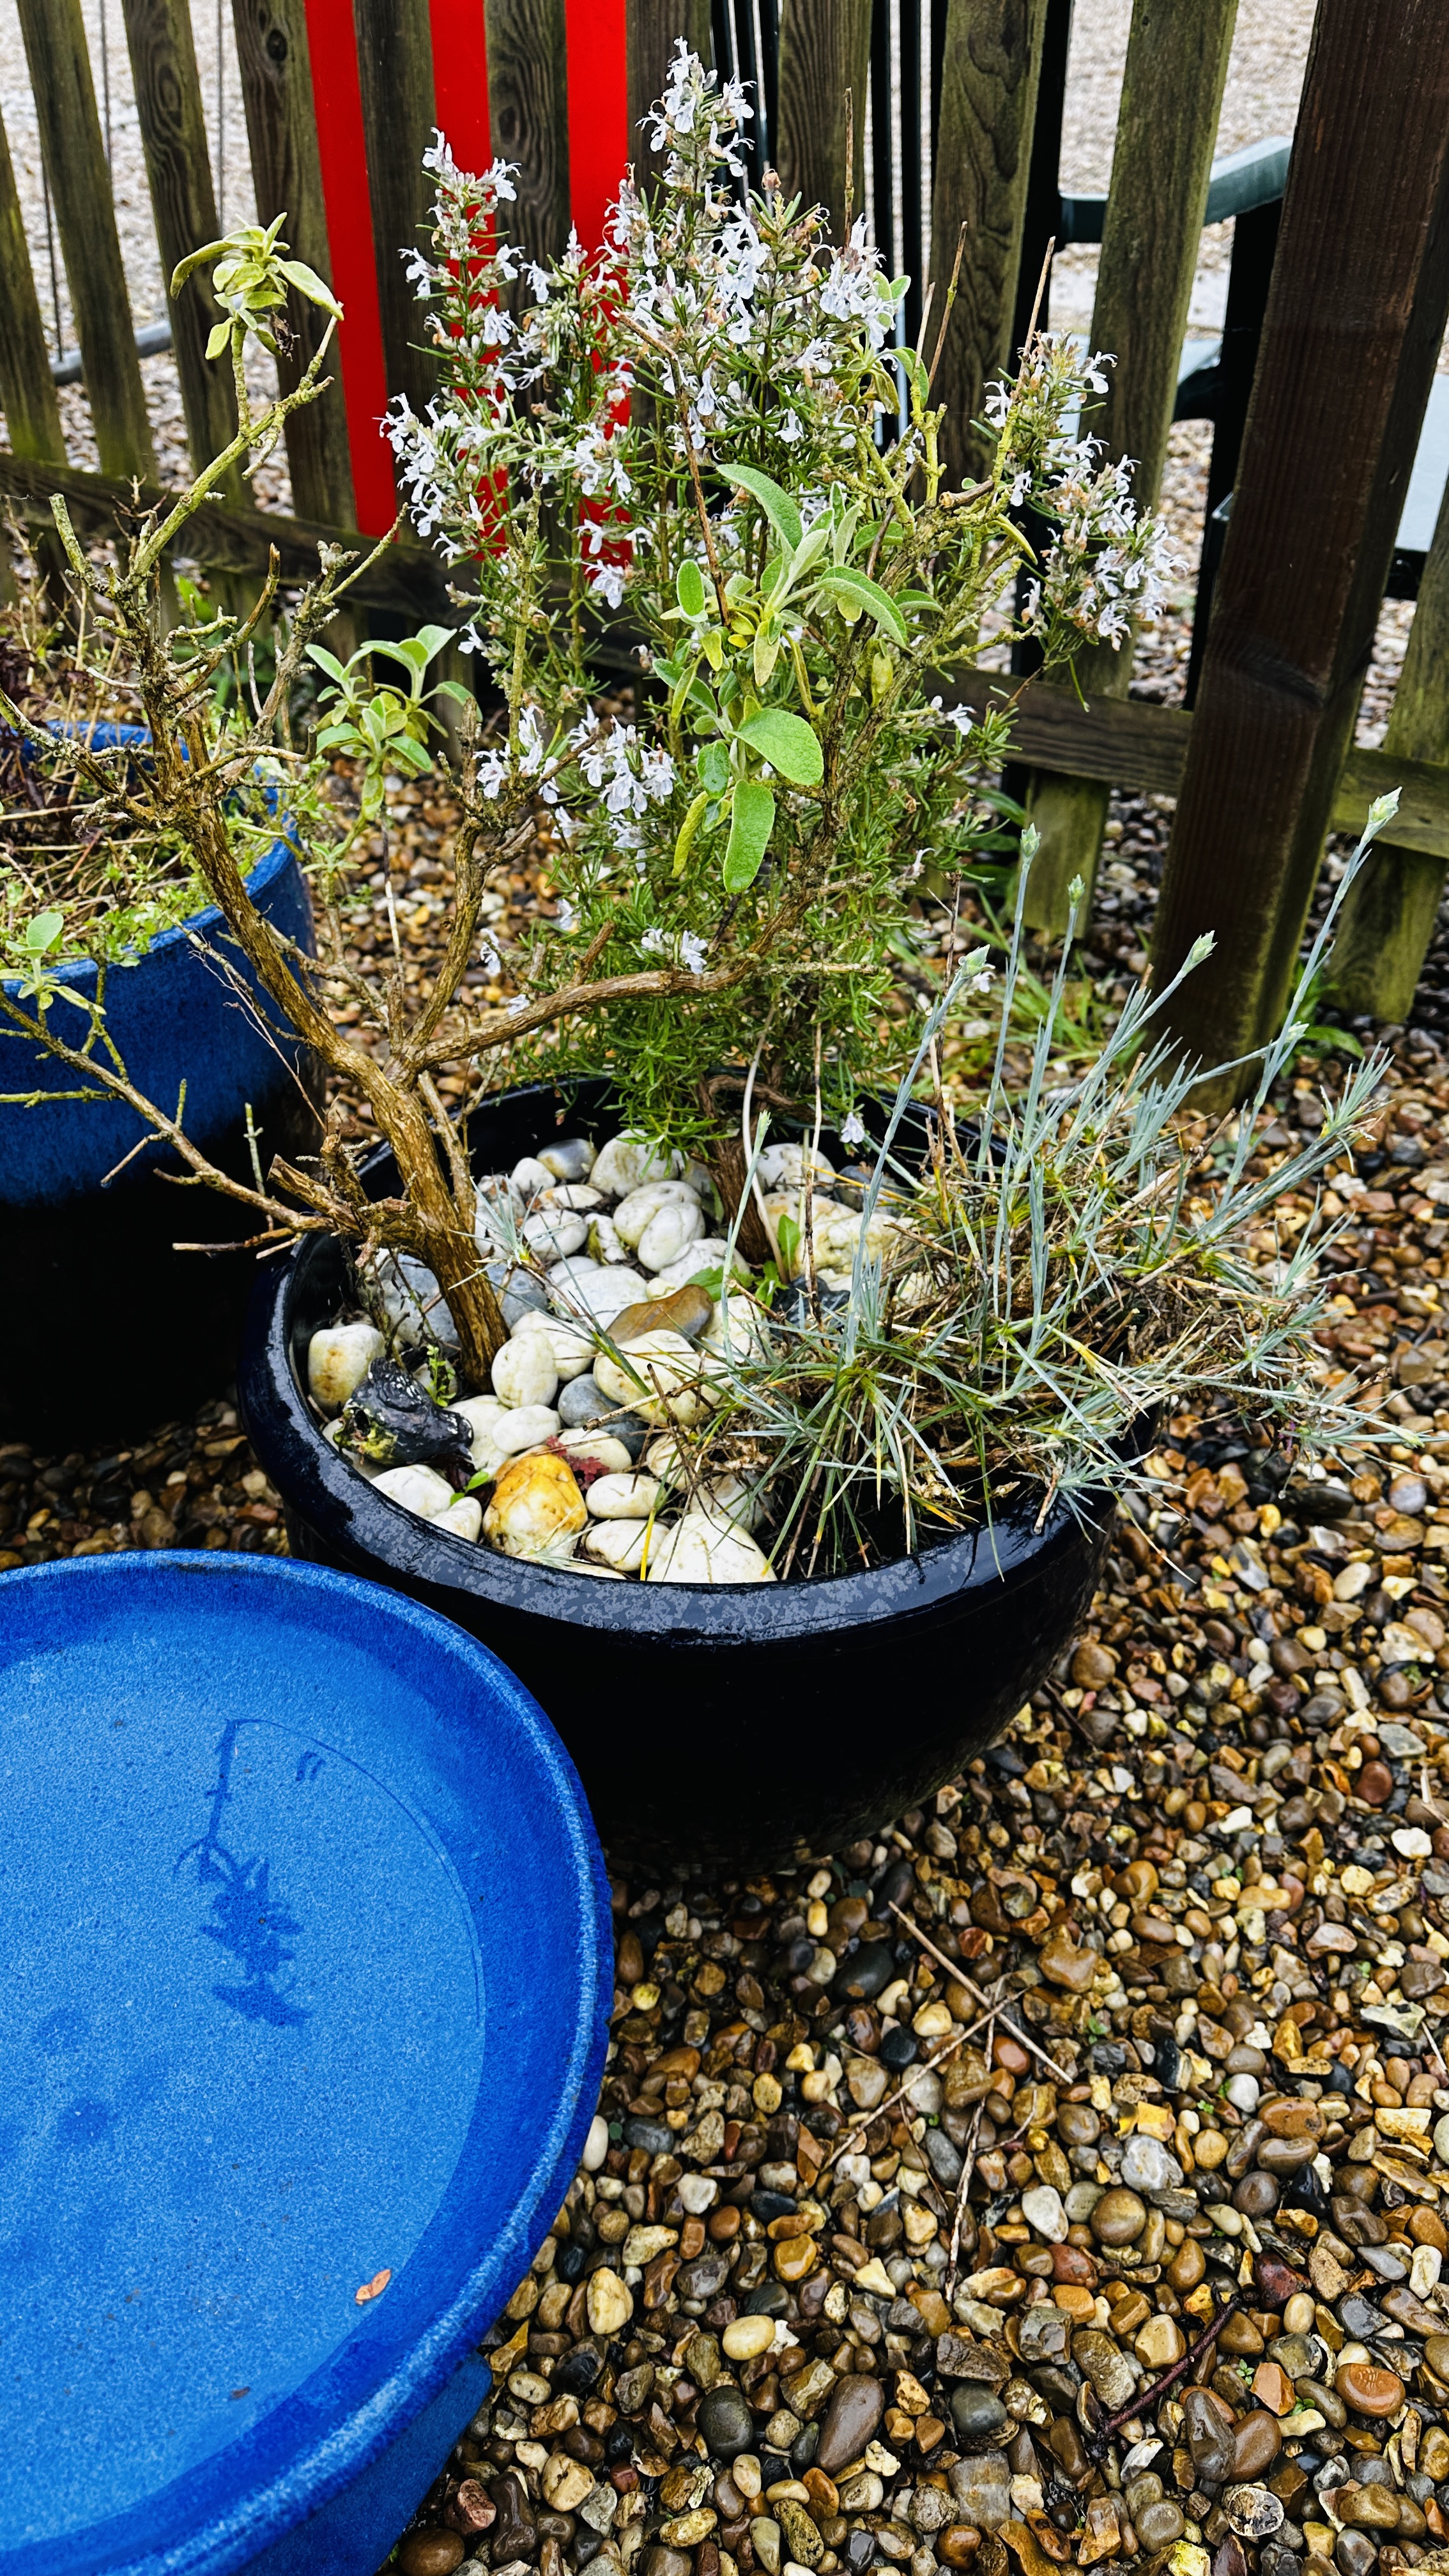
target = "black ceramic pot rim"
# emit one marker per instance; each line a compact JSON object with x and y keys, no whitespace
{"x":349,"y":1514}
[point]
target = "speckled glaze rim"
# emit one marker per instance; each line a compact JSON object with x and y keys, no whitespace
{"x":350,"y":1515}
{"x":381,"y":2411}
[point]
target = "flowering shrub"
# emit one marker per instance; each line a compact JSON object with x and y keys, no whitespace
{"x":702,"y":455}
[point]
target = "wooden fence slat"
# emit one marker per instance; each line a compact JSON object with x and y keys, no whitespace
{"x":276,"y":80}
{"x":80,"y":186}
{"x":989,"y":75}
{"x":1172,"y":91}
{"x":824,"y":61}
{"x":653,"y":26}
{"x":27,"y":390}
{"x":1355,"y":318}
{"x":395,"y":64}
{"x":183,"y":201}
{"x":528,"y":92}
{"x":1388,"y":917}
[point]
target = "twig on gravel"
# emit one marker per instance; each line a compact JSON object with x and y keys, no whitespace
{"x":891,"y":2099}
{"x":1146,"y":2398}
{"x":954,"y":1968}
{"x":968,"y":2167}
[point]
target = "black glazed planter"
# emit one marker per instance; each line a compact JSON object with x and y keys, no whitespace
{"x":726,"y":1725}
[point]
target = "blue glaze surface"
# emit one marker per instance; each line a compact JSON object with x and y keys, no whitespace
{"x":304,"y":1976}
{"x":175,"y":1018}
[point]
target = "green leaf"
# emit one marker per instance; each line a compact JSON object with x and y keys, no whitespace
{"x":308,"y":283}
{"x":787,"y":743}
{"x":689,"y":588}
{"x":858,"y":591}
{"x":789,"y":1237}
{"x":195,"y":259}
{"x":43,"y":932}
{"x":217,"y":338}
{"x":712,"y":764}
{"x":778,"y":507}
{"x":687,"y":830}
{"x":751,"y":823}
{"x":328,"y":662}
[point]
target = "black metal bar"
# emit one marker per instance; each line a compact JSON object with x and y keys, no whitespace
{"x":1041,"y":223}
{"x":769,"y":24}
{"x":882,"y":138}
{"x":938,"y":57}
{"x":914,"y":174}
{"x":1255,"y":243}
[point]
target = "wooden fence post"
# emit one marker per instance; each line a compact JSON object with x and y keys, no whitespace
{"x":528,"y":109}
{"x":183,"y":201}
{"x":653,"y":28}
{"x":989,"y":73}
{"x":276,"y":79}
{"x":80,"y":184}
{"x":1172,"y":92}
{"x":1354,"y":322}
{"x":395,"y":65}
{"x":27,"y":389}
{"x":824,"y":76}
{"x":1388,"y":916}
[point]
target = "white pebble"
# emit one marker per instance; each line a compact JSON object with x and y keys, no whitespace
{"x":618,"y":1543}
{"x":596,"y":2144}
{"x":605,"y":1241}
{"x":570,"y":1157}
{"x":1412,"y":1841}
{"x":1042,"y":2209}
{"x":553,"y":1233}
{"x":662,"y":1380}
{"x":698,"y":1550}
{"x":623,"y":1498}
{"x":666,"y":1235}
{"x":730,"y":1499}
{"x":708,"y":1252}
{"x":525,"y":1371}
{"x":464,"y":1516}
{"x":627,"y":1160}
{"x":528,"y":1428}
{"x":338,"y":1359}
{"x":639,"y":1209}
{"x":530,"y":1176}
{"x":572,"y":1347}
{"x":1425,"y":2269}
{"x":608,"y":1453}
{"x":581,"y":1196}
{"x":783,"y":1166}
{"x":418,"y":1489}
{"x":1242,"y":2091}
{"x":607,"y":1293}
{"x":482,"y":1411}
{"x":697,"y":2193}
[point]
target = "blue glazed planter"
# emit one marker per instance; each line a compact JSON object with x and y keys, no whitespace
{"x":304,"y":1978}
{"x":103,"y":1327}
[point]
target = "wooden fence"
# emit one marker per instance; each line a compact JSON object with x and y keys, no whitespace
{"x":1335,"y":315}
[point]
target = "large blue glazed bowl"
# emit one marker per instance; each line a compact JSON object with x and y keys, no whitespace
{"x":304,"y":1981}
{"x":104,"y":1327}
